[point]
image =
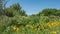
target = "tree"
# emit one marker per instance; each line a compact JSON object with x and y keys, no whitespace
{"x":57,"y":13}
{"x":4,"y":3}
{"x":48,"y":12}
{"x":15,"y":9}
{"x":2,"y":6}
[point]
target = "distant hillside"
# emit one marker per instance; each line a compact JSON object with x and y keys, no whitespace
{"x":48,"y":12}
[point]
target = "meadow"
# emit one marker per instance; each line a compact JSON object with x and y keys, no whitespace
{"x":14,"y":20}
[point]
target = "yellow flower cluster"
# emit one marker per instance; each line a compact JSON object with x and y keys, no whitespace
{"x":53,"y":24}
{"x":53,"y":32}
{"x":15,"y":28}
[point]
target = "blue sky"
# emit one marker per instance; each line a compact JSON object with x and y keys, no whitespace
{"x":35,"y":6}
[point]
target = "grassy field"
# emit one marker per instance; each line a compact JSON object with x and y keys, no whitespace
{"x":30,"y":25}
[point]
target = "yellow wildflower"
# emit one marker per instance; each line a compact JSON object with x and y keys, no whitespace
{"x":15,"y":28}
{"x":49,"y":25}
{"x":53,"y":24}
{"x":54,"y":32}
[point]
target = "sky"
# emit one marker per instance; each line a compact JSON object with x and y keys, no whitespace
{"x":35,"y":6}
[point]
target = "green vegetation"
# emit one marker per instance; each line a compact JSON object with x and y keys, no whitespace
{"x":14,"y":20}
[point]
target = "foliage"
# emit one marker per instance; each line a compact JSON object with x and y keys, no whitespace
{"x":16,"y":21}
{"x":49,"y":11}
{"x":13,"y":10}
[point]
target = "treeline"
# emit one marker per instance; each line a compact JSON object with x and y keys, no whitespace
{"x":49,"y":12}
{"x":16,"y":9}
{"x":11,"y":11}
